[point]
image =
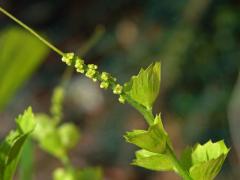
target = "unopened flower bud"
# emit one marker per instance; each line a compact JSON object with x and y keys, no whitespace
{"x":68,"y":58}
{"x":104,"y":76}
{"x":121,"y":99}
{"x":104,"y":85}
{"x":117,"y":89}
{"x":79,"y":65}
{"x":92,"y":66}
{"x":90,"y":73}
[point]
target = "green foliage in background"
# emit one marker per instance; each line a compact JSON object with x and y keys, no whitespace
{"x":11,"y":147}
{"x":58,"y":138}
{"x":20,"y":55}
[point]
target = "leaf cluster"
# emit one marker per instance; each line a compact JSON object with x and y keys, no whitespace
{"x":203,"y":162}
{"x":11,"y":147}
{"x":58,"y":138}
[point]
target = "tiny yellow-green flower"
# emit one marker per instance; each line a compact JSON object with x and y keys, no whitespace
{"x":68,"y":58}
{"x":117,"y":89}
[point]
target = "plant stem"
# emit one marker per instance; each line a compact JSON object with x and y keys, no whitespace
{"x":147,"y":114}
{"x":150,"y":120}
{"x":58,"y":51}
{"x":179,"y":169}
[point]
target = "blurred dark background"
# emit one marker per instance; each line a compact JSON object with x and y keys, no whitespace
{"x":198,"y":43}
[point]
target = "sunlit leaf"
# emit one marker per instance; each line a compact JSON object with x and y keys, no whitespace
{"x":208,"y":151}
{"x":186,"y":158}
{"x":153,"y":161}
{"x":26,"y":169}
{"x":20,"y":54}
{"x":43,"y":127}
{"x":47,"y":136}
{"x":11,"y":147}
{"x":24,"y":125}
{"x":50,"y":136}
{"x":207,"y":160}
{"x":207,"y":170}
{"x":153,"y":140}
{"x":144,"y":88}
{"x":69,"y":135}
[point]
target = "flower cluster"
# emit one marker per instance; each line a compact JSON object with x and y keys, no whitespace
{"x":117,"y":89}
{"x":90,"y":71}
{"x":79,"y":65}
{"x":105,"y":80}
{"x":68,"y":58}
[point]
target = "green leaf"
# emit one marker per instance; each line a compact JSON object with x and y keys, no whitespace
{"x":69,"y":135}
{"x":144,"y":88}
{"x":24,"y":125}
{"x":47,"y":136}
{"x":153,"y":161}
{"x":207,"y":170}
{"x":52,"y":144}
{"x":26,"y":169}
{"x":207,"y":160}
{"x":20,"y":55}
{"x":208,"y":151}
{"x":44,"y":126}
{"x":204,"y":161}
{"x":11,"y":147}
{"x":186,"y":158}
{"x":13,"y":157}
{"x":153,"y":140}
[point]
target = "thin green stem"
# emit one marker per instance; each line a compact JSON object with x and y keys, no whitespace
{"x":179,"y":169}
{"x":32,"y":32}
{"x":150,"y":119}
{"x":147,"y":114}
